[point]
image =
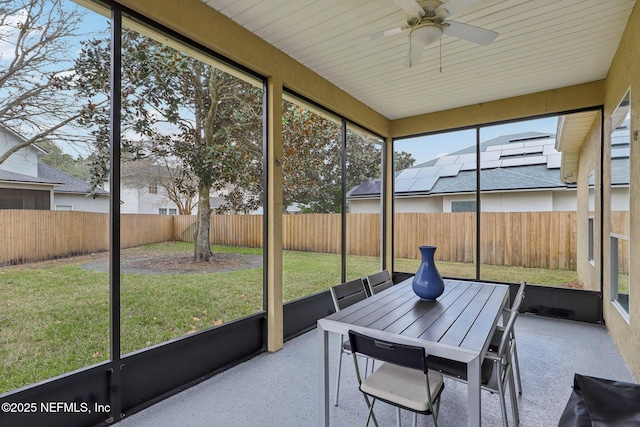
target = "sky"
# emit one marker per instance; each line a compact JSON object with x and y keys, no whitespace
{"x":425,"y":148}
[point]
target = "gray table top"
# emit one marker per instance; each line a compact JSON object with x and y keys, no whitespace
{"x":458,"y":325}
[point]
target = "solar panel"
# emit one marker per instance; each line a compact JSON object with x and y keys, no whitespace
{"x":466,"y":158}
{"x":447,"y":160}
{"x":450,"y":170}
{"x":403,"y":185}
{"x":550,"y":150}
{"x":505,"y":146}
{"x":519,"y":161}
{"x":408,"y":173}
{"x":424,"y":184}
{"x":428,"y":171}
{"x":554,"y":161}
{"x":491,"y":155}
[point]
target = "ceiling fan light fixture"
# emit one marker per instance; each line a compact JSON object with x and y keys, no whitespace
{"x":426,"y":33}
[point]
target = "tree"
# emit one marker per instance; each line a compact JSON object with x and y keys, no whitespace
{"x":74,"y":166}
{"x":209,"y":120}
{"x":312,"y":174}
{"x":402,"y":160}
{"x":36,"y":74}
{"x":307,"y":140}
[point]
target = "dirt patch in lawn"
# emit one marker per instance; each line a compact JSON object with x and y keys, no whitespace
{"x":160,"y":260}
{"x":179,"y":264}
{"x":576,"y":284}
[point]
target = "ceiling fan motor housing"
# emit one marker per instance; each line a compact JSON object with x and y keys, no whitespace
{"x":430,"y":13}
{"x":426,"y":33}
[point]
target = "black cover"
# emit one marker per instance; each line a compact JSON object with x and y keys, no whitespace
{"x":597,"y":402}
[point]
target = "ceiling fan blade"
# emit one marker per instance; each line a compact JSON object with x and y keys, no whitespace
{"x":469,"y":32}
{"x":455,"y":6}
{"x":411,"y":7}
{"x":379,"y":34}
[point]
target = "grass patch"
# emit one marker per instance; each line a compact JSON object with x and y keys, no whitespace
{"x":497,"y":273}
{"x":54,"y":316}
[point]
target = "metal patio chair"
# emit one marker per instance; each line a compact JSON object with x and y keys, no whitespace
{"x":496,"y":370}
{"x":379,"y":282}
{"x":344,"y":295}
{"x":403,"y":380}
{"x":497,"y":336}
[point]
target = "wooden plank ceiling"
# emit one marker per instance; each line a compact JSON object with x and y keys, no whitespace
{"x":542,"y":44}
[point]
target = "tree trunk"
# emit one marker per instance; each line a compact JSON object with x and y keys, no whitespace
{"x":203,"y":226}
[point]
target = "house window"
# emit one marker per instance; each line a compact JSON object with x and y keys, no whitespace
{"x":11,"y":198}
{"x":620,"y":224}
{"x":591,"y":239}
{"x":162,"y":211}
{"x":173,"y":211}
{"x":64,"y":207}
{"x":153,"y":189}
{"x":591,"y":202}
{"x":463,"y":206}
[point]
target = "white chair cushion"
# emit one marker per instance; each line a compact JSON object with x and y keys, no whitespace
{"x":405,"y":386}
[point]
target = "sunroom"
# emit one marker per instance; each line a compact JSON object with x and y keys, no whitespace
{"x":323,"y":96}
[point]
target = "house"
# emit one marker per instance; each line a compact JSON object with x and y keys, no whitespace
{"x":141,"y":191}
{"x":27,"y":183}
{"x":148,"y":199}
{"x":519,"y":173}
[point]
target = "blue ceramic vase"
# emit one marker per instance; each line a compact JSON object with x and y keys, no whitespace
{"x":428,"y":283}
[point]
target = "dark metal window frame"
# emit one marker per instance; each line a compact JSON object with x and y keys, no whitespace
{"x":344,"y":125}
{"x":592,"y":233}
{"x":555,"y":302}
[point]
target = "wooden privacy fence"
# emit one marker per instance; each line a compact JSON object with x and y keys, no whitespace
{"x":620,"y":237}
{"x":521,"y":239}
{"x":226,"y":230}
{"x":31,"y":235}
{"x":304,"y":232}
{"x":527,"y":239}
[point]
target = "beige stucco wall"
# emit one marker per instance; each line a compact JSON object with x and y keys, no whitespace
{"x":547,"y":102}
{"x":589,"y":160}
{"x":624,"y":74}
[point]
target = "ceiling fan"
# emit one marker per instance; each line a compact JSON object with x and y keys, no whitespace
{"x":427,"y":22}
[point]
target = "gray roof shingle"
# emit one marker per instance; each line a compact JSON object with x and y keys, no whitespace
{"x":530,"y":166}
{"x":17,"y":177}
{"x":70,"y":184}
{"x":48,"y":175}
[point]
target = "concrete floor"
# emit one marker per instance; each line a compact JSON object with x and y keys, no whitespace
{"x":281,"y":389}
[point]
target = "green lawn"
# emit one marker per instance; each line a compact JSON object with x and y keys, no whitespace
{"x":54,"y":316}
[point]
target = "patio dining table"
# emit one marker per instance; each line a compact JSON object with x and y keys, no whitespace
{"x":457,"y":326}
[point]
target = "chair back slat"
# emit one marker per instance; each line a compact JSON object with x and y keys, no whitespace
{"x":379,"y":282}
{"x":508,"y":329}
{"x":348,"y":293}
{"x":400,"y":354}
{"x":517,"y":301}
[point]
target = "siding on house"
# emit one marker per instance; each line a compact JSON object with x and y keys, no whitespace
{"x":519,"y":173}
{"x":26,"y":183}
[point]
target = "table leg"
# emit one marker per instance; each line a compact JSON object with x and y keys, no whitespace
{"x":323,"y":377}
{"x":474,"y":390}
